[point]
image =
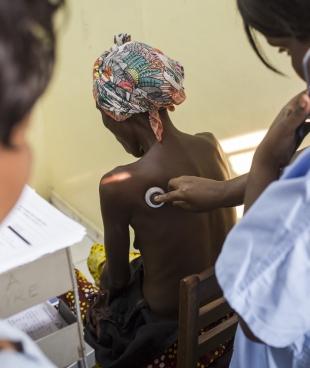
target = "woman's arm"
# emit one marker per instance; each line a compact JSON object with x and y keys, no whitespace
{"x":115,"y":215}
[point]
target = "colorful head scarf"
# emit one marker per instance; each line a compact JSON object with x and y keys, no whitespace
{"x":133,"y":78}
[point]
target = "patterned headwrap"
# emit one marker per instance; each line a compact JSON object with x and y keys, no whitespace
{"x":133,"y":78}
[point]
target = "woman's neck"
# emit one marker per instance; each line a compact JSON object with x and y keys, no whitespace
{"x":170,"y":133}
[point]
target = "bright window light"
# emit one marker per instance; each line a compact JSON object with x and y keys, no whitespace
{"x":243,"y":142}
{"x":239,"y":211}
{"x":241,"y":162}
{"x":240,"y":150}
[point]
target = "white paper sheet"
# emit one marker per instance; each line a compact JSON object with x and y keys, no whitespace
{"x":38,"y":321}
{"x":35,"y":228}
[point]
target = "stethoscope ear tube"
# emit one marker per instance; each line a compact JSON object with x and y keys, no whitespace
{"x":306,"y":69}
{"x":301,"y":133}
{"x":304,"y":128}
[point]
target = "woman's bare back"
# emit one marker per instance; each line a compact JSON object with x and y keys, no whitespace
{"x":173,"y":243}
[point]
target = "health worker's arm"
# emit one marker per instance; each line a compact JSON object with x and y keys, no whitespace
{"x":206,"y":194}
{"x":277,"y":148}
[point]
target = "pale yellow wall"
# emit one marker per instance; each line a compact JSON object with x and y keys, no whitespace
{"x":229,"y":91}
{"x":40,"y":175}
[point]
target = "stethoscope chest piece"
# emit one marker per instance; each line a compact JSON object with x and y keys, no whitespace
{"x":151,"y":194}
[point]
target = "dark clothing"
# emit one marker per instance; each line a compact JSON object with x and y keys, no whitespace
{"x":123,"y":330}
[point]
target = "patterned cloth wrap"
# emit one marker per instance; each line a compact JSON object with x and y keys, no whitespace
{"x":87,"y":292}
{"x":133,"y":78}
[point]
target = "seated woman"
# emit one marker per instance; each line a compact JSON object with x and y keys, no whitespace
{"x":135,"y":316}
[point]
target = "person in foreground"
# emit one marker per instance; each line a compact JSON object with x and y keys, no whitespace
{"x":27,"y":56}
{"x":264,"y":268}
{"x":135,"y":86}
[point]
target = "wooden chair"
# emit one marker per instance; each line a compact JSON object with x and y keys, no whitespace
{"x":201,"y":304}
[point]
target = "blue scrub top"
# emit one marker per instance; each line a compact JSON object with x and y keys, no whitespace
{"x":31,"y":357}
{"x":264,"y":271}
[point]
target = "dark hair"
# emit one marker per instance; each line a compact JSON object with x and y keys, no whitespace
{"x":27,"y":56}
{"x":275,"y":18}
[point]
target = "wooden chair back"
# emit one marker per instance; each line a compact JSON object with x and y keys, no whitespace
{"x":202,"y":304}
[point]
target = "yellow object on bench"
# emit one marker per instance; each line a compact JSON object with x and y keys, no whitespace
{"x":97,"y":259}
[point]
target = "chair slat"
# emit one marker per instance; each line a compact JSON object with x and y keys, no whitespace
{"x":213,"y":338}
{"x":213,"y":312}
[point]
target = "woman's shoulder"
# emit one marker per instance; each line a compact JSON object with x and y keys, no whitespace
{"x":115,"y":184}
{"x":206,"y":138}
{"x":124,"y":184}
{"x":209,"y":140}
{"x":210,"y":137}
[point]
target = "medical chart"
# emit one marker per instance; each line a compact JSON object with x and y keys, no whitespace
{"x":33,"y":229}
